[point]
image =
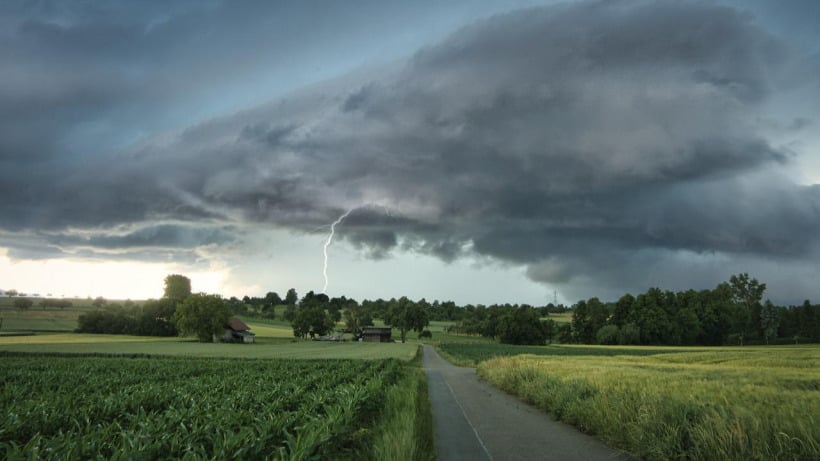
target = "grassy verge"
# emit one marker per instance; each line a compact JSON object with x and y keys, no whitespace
{"x":755,"y":404}
{"x":406,"y":432}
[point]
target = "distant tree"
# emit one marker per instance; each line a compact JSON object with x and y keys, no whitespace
{"x":202,"y":315}
{"x":629,"y":334}
{"x":587,"y":318}
{"x":564,"y":333}
{"x":156,"y":318}
{"x":622,"y":308}
{"x":290,"y":313}
{"x":809,"y":319}
{"x":313,"y":321}
{"x":272,"y":299}
{"x":607,"y":334}
{"x":406,"y":315}
{"x":177,"y":287}
{"x":99,"y":301}
{"x":357,"y":317}
{"x":23,"y":303}
{"x":291,"y":297}
{"x":769,"y":320}
{"x":747,"y":293}
{"x":522,"y":326}
{"x":11,"y":293}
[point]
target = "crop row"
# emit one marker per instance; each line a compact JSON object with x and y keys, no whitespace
{"x":150,"y":408}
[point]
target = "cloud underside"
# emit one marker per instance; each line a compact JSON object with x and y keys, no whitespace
{"x":589,"y":142}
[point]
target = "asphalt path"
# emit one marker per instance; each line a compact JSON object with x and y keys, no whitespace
{"x":475,"y":421}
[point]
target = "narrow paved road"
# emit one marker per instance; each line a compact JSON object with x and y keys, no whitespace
{"x":475,"y":421}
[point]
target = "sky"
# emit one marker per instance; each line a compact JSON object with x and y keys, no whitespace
{"x":484,"y":152}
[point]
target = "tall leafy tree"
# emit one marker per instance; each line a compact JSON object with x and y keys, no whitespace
{"x":747,"y":293}
{"x":291,"y":297}
{"x":522,"y":326}
{"x":312,"y":321}
{"x":177,"y":287}
{"x":406,"y":316}
{"x":203,"y":316}
{"x":769,"y":320}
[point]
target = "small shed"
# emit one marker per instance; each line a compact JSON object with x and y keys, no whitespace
{"x":237,"y":331}
{"x":377,"y":334}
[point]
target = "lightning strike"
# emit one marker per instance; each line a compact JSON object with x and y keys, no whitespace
{"x":329,"y":241}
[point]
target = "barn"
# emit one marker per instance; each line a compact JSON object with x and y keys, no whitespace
{"x":377,"y":334}
{"x":236,"y":331}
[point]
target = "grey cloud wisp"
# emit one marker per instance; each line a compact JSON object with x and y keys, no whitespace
{"x":606,"y":146}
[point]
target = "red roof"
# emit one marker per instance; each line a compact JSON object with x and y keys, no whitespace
{"x":237,"y":325}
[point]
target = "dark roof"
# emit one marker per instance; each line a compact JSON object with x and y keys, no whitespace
{"x":376,"y":330}
{"x":237,"y":325}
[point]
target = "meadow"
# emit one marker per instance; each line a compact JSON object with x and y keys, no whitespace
{"x":729,"y":403}
{"x":107,"y":407}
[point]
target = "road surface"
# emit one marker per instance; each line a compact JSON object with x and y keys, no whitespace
{"x":475,"y":421}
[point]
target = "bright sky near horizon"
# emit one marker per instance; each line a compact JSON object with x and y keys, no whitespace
{"x":489,"y":151}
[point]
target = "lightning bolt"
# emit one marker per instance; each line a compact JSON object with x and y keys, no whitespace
{"x":329,"y":241}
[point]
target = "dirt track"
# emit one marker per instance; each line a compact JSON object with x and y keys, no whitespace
{"x":474,"y":421}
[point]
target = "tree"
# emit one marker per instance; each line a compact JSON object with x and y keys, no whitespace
{"x":587,"y":318}
{"x":357,"y":317}
{"x":607,"y":334}
{"x":99,"y":301}
{"x":406,"y":315}
{"x":11,"y":293}
{"x":622,"y":308}
{"x":202,"y":315}
{"x":272,"y":299}
{"x":769,"y":320}
{"x":746,"y":294}
{"x":23,"y":303}
{"x":522,"y":326}
{"x":290,"y":313}
{"x":177,"y":287}
{"x":313,"y":321}
{"x":291,"y":297}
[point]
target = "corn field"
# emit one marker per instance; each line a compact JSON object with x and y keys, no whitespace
{"x":182,"y":408}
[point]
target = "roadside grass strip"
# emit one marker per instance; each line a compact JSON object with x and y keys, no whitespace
{"x":755,"y":404}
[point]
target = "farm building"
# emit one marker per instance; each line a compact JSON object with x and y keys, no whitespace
{"x":237,"y":331}
{"x":377,"y":334}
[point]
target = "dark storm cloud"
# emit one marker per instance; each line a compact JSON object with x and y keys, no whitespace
{"x":591,"y":142}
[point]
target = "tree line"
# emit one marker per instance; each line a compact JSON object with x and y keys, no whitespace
{"x":731,"y":313}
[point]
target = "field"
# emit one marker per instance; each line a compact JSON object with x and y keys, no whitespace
{"x":72,"y":343}
{"x":76,"y":408}
{"x":730,"y":403}
{"x":471,"y":354}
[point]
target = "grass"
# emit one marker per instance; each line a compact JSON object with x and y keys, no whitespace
{"x":406,"y":431}
{"x":37,"y":319}
{"x":69,"y":343}
{"x":470,"y":354}
{"x":729,"y":403}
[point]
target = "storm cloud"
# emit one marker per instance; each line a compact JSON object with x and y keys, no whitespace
{"x":605,"y":146}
